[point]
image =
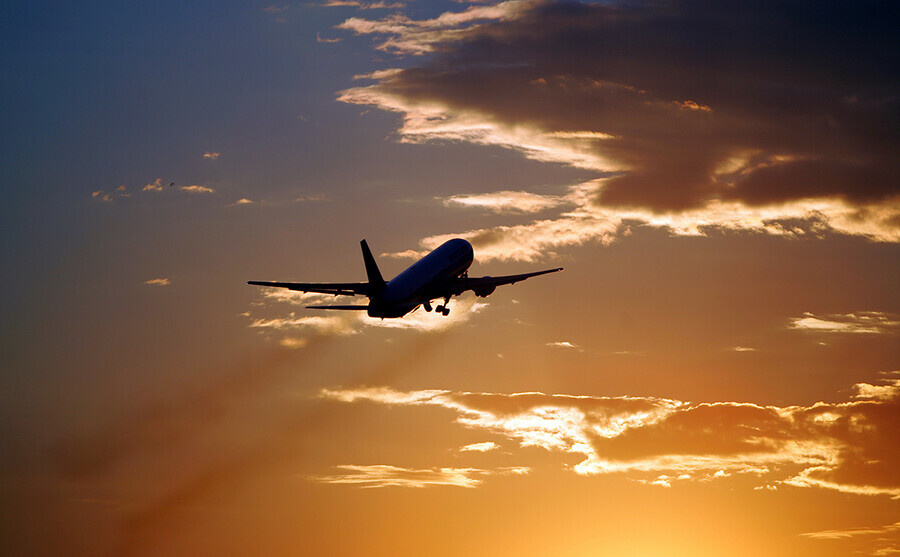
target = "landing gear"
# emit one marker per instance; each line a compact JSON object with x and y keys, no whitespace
{"x":443,"y":309}
{"x":427,"y":306}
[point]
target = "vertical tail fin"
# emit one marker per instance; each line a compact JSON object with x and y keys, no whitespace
{"x":376,"y":281}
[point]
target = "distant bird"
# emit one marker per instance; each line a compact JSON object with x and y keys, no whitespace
{"x":172,"y":184}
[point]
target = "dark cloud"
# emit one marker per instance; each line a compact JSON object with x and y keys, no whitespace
{"x":752,"y":101}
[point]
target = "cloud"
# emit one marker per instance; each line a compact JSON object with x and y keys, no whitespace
{"x":863,"y":322}
{"x":743,"y":349}
{"x":363,"y":5}
{"x":351,"y":322}
{"x":156,"y":185}
{"x":876,"y":541}
{"x":505,"y":201}
{"x":408,"y":36}
{"x":852,"y":532}
{"x":750,"y":134}
{"x":158,"y":282}
{"x":381,"y":475}
{"x":889,"y":390}
{"x":587,"y":222}
{"x":848,"y":446}
{"x":337,"y":324}
{"x":120,"y":192}
{"x":320,"y":39}
{"x":564,"y":344}
{"x":196,"y":189}
{"x":479,"y":447}
{"x":211,"y":155}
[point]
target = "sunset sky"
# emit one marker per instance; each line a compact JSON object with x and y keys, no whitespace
{"x":716,"y":372}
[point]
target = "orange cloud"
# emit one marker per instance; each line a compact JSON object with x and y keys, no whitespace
{"x":380,"y":475}
{"x":852,"y":532}
{"x":847,"y":446}
{"x":156,"y":185}
{"x":196,"y":189}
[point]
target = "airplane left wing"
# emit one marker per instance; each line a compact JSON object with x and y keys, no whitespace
{"x":336,"y":288}
{"x":484,"y":286}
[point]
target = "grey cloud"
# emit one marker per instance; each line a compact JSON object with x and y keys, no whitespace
{"x":758,"y":102}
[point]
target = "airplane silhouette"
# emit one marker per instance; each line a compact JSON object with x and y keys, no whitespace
{"x":443,"y":273}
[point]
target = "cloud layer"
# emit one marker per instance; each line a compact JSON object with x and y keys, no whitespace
{"x":382,"y":475}
{"x":846,"y":446}
{"x":730,"y":112}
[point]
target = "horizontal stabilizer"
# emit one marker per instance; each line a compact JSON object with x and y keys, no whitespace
{"x":339,"y":307}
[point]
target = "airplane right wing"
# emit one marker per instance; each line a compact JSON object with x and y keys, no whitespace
{"x":335,"y":288}
{"x":483,"y":286}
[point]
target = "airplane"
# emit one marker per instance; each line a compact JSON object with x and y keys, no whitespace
{"x":443,"y":273}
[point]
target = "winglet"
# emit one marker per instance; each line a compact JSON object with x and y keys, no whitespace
{"x":376,"y":281}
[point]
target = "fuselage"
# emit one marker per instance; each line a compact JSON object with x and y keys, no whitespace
{"x":419,"y":282}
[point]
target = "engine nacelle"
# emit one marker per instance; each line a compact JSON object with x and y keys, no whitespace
{"x":485,"y":291}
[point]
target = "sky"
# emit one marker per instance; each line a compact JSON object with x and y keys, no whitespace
{"x":717,"y":370}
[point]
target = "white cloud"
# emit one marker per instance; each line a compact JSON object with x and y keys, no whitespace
{"x":506,"y":201}
{"x":479,"y":447}
{"x":863,"y":322}
{"x":564,"y":344}
{"x":336,"y":324}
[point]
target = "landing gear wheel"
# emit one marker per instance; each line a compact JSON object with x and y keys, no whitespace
{"x":427,"y":306}
{"x":445,"y":311}
{"x":439,"y":309}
